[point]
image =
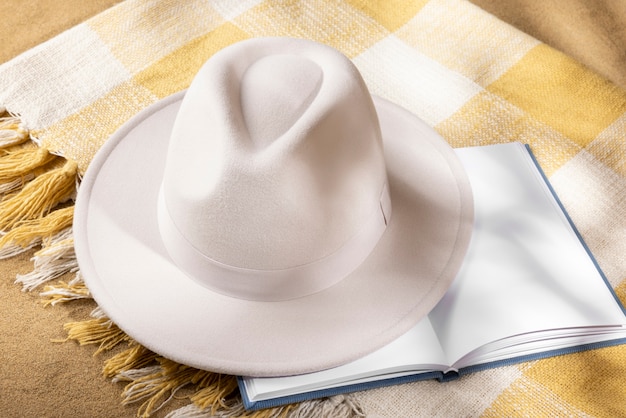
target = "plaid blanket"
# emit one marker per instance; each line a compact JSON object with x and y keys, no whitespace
{"x":473,"y":78}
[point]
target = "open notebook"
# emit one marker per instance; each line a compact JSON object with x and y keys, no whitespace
{"x":528,"y":288}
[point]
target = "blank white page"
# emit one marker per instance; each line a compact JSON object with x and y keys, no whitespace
{"x":418,"y":349}
{"x":525,"y":270}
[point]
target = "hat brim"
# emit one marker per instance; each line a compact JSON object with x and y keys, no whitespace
{"x":130,"y":275}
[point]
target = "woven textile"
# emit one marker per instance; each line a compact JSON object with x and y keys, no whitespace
{"x":473,"y":78}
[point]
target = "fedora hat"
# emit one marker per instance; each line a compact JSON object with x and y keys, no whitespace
{"x":274,"y":219}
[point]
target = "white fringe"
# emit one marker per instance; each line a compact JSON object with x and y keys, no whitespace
{"x":189,"y":411}
{"x":12,"y":250}
{"x":134,"y":374}
{"x":12,"y":136}
{"x":56,"y":259}
{"x":143,"y":392}
{"x":340,"y":406}
{"x":98,"y":313}
{"x":192,"y":411}
{"x":66,"y":295}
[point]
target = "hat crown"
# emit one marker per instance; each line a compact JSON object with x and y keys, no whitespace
{"x":275,"y":159}
{"x":275,"y":91}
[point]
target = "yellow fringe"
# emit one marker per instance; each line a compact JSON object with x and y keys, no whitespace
{"x":101,"y":331}
{"x":26,"y":232}
{"x":62,"y":292}
{"x":20,"y":161}
{"x":215,"y":396}
{"x":213,"y":391}
{"x":39,"y":197}
{"x":135,"y":357}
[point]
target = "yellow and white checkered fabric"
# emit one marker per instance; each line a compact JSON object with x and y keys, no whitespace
{"x":473,"y":78}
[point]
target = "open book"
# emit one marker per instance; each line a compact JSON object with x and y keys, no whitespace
{"x":528,"y":288}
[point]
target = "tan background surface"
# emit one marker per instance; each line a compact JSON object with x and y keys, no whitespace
{"x":42,"y":378}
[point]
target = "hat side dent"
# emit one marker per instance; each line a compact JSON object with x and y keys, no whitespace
{"x":301,"y":196}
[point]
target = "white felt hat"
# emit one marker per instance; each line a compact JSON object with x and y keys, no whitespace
{"x":274,"y":219}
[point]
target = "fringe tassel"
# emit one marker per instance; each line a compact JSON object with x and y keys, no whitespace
{"x":158,"y":385}
{"x":12,"y":130}
{"x":39,"y":197}
{"x":22,"y":160}
{"x":340,"y":406}
{"x":99,"y":330}
{"x":28,"y":234}
{"x":56,"y":258}
{"x":98,"y":313}
{"x":235,"y":411}
{"x":215,"y":391}
{"x":190,"y":411}
{"x":63,"y":292}
{"x":16,"y":184}
{"x":156,"y":380}
{"x":134,"y":358}
{"x":216,"y":395}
